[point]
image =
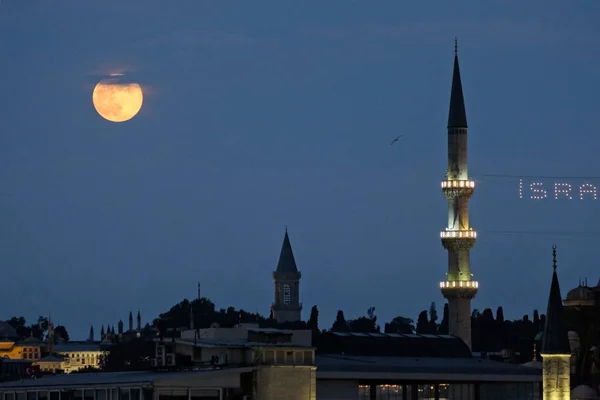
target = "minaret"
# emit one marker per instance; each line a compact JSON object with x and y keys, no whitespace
{"x":286,"y":307}
{"x":120,"y":327}
{"x":458,"y":238}
{"x":102,"y":334}
{"x":556,"y":352}
{"x":51,"y":338}
{"x":91,"y":338}
{"x":139,"y":321}
{"x":130,"y":321}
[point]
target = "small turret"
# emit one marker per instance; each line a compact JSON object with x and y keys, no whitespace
{"x":286,"y":307}
{"x":120,"y":327}
{"x":139,"y":321}
{"x":130,"y":321}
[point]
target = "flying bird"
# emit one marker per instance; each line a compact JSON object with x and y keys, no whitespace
{"x":395,"y":140}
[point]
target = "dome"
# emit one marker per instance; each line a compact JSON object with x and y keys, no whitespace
{"x":580,"y":296}
{"x":7,"y":331}
{"x":534,"y":364}
{"x":583,"y":392}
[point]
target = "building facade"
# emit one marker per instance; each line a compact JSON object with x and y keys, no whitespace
{"x":286,"y":306}
{"x":458,"y":238}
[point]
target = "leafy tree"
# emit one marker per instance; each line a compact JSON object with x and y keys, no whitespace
{"x":400,"y":325}
{"x":61,"y":332}
{"x":433,"y":327}
{"x":443,"y":329}
{"x":340,"y":324}
{"x":362,"y":324}
{"x":422,"y":322}
{"x":536,"y":320}
{"x":500,"y":315}
{"x":18,"y":323}
{"x":205,"y":314}
{"x":313,"y":321}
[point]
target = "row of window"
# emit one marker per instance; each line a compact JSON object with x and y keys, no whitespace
{"x":445,"y":391}
{"x":77,"y":394}
{"x":114,"y":394}
{"x":288,"y":357}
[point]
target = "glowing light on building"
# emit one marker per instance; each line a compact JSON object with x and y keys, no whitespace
{"x":459,"y":284}
{"x":458,"y":184}
{"x":467,"y":234}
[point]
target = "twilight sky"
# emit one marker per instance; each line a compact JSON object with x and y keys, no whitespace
{"x":263,"y":114}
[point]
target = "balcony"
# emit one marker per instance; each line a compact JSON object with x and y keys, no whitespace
{"x":458,"y":188}
{"x":458,"y":184}
{"x":459,"y":284}
{"x":458,"y":234}
{"x":459,"y":289}
{"x":456,"y":240}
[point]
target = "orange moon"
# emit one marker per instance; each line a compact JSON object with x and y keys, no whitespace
{"x":116,"y":101}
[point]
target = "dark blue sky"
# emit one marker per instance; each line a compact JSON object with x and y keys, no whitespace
{"x":264,"y":114}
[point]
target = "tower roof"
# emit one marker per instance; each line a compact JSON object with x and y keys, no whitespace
{"x":286,"y":263}
{"x":457,"y":116}
{"x":555,"y":339}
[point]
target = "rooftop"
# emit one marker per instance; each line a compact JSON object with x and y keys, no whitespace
{"x":103,"y":378}
{"x":392,"y":344}
{"x":67,"y":347}
{"x":468,"y":369}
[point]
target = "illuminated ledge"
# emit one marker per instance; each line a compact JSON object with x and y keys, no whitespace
{"x":459,"y":285}
{"x":458,"y":234}
{"x":458,"y":184}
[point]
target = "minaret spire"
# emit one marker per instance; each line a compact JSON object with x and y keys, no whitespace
{"x":556,"y":352}
{"x":457,"y":116}
{"x":458,"y":238}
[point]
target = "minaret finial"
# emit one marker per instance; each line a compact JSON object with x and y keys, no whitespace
{"x":554,"y":256}
{"x":455,"y":45}
{"x":286,"y":229}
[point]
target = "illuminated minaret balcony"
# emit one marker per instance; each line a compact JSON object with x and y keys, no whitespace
{"x":458,"y":188}
{"x":458,"y":239}
{"x":459,"y":289}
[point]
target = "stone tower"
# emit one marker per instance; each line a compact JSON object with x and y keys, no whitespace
{"x":556,"y":353}
{"x":458,"y":238}
{"x":286,"y":307}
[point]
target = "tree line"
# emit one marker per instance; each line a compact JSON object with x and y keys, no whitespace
{"x":490,"y":333}
{"x":37,"y":330}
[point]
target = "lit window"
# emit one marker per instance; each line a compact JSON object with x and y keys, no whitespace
{"x":287,"y":294}
{"x":364,"y":392}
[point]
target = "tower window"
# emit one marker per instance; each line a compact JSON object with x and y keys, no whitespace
{"x":287,"y":295}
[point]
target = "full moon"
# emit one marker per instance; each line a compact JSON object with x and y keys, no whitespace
{"x":116,"y":100}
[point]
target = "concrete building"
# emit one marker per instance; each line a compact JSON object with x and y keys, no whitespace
{"x":458,"y":238}
{"x":286,"y":306}
{"x":245,"y":362}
